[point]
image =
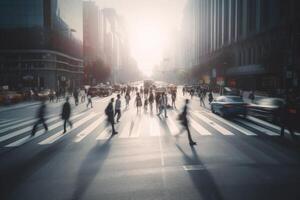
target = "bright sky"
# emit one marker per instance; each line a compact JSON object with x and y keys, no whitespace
{"x":149,"y":24}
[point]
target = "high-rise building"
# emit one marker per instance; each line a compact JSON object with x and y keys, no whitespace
{"x":248,"y":44}
{"x":41,"y":44}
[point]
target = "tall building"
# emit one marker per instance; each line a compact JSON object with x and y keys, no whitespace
{"x":249,"y":44}
{"x":41,"y":44}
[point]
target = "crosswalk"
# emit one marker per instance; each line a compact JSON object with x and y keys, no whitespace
{"x":90,"y":124}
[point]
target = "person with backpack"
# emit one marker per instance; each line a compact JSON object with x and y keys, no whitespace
{"x":66,"y":113}
{"x":109,"y":112}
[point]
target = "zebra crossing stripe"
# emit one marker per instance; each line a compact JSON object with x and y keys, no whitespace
{"x":59,"y":135}
{"x":105,"y":134}
{"x":201,"y":130}
{"x":214,"y":125}
{"x":126,"y":130}
{"x":154,"y":128}
{"x":23,"y":130}
{"x":38,"y":133}
{"x":137,"y":129}
{"x":172,"y":126}
{"x":89,"y":129}
{"x":234,"y":125}
{"x":258,"y":128}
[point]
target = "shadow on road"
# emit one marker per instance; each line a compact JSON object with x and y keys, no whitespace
{"x":202,"y":179}
{"x":90,"y":167}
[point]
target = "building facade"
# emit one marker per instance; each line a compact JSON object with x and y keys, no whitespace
{"x":41,"y":44}
{"x":248,"y":44}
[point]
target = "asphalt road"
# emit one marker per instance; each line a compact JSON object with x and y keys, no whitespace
{"x":234,"y":159}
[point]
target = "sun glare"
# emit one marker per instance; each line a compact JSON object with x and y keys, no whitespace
{"x":147,"y":44}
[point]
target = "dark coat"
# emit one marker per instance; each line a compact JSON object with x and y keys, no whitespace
{"x":109,"y":111}
{"x":66,"y":111}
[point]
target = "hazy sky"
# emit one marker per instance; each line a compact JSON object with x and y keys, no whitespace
{"x":149,"y":24}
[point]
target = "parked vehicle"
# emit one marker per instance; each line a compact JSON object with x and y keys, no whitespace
{"x":10,"y":97}
{"x":93,"y":91}
{"x":105,"y":91}
{"x":229,"y":106}
{"x":267,"y":109}
{"x":117,"y":88}
{"x":43,"y":94}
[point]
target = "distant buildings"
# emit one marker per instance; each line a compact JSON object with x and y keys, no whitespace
{"x":105,"y":38}
{"x":38,"y":48}
{"x":248,"y":44}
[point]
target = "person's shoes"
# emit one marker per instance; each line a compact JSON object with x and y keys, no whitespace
{"x":32,"y":134}
{"x":193,"y":143}
{"x":115,"y":133}
{"x":64,"y":131}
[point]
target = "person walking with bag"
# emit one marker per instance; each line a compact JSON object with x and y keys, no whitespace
{"x":185,"y":123}
{"x":118,"y":108}
{"x":109,"y":111}
{"x":66,"y":113}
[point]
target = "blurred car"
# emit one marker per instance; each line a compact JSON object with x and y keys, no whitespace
{"x":10,"y":97}
{"x":116,"y":88}
{"x":105,"y":91}
{"x":229,"y":106}
{"x":231,"y":91}
{"x":267,"y":109}
{"x":43,"y":94}
{"x":93,"y":91}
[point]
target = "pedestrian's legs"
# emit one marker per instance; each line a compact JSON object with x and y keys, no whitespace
{"x":70,"y":123}
{"x":44,"y":124}
{"x":165,"y":109}
{"x":65,"y":125}
{"x":35,"y":126}
{"x":189,"y":135}
{"x":113,"y":127}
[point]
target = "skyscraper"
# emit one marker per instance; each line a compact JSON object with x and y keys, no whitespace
{"x":41,"y":44}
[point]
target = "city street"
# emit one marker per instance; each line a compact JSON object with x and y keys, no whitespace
{"x":241,"y":158}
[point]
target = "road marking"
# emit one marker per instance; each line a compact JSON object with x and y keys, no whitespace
{"x":259,"y":121}
{"x":214,"y":125}
{"x":59,"y":135}
{"x":259,"y":128}
{"x":89,"y":129}
{"x":200,"y":129}
{"x":172,"y":126}
{"x":137,"y":129}
{"x":105,"y":134}
{"x":193,"y":167}
{"x":234,"y":125}
{"x":23,"y":130}
{"x":38,"y":133}
{"x":154,"y":127}
{"x":126,"y":130}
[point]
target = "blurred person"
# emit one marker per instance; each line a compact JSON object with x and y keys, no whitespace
{"x":201,"y":96}
{"x":173,"y":99}
{"x":118,"y":108}
{"x":76,"y":96}
{"x":83,"y":94}
{"x":109,"y":111}
{"x":41,"y":118}
{"x":127,"y":99}
{"x":251,"y":96}
{"x":146,"y":102}
{"x":183,"y":91}
{"x":66,"y":113}
{"x":151,"y":101}
{"x":89,"y":97}
{"x":138,"y":102}
{"x":185,"y":123}
{"x":289,"y":115}
{"x":210,"y":97}
{"x":163,"y":104}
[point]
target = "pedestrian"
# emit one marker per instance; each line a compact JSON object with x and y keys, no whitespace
{"x":82,"y":93}
{"x":41,"y":118}
{"x":141,"y":92}
{"x":210,"y":97}
{"x":157,"y":102}
{"x":251,"y":96}
{"x":118,"y":108}
{"x":127,"y":99}
{"x":183,"y":91}
{"x":89,"y":97}
{"x":146,"y":102}
{"x":109,"y":111}
{"x":173,"y":99}
{"x":151,"y":101}
{"x":192,"y":93}
{"x":66,"y":113}
{"x":185,"y":123}
{"x":138,"y":102}
{"x":201,"y":96}
{"x":76,"y":97}
{"x":289,"y":115}
{"x":57,"y":95}
{"x":163,"y":104}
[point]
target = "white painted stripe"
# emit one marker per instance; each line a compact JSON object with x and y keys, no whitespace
{"x":172,"y":126}
{"x":89,"y":129}
{"x":38,"y":133}
{"x":234,"y":125}
{"x":259,"y":128}
{"x":259,"y":121}
{"x":15,"y":122}
{"x":214,"y":125}
{"x":126,"y":130}
{"x":136,"y":131}
{"x":59,"y":135}
{"x":200,"y":129}
{"x":105,"y":134}
{"x":154,"y":127}
{"x":23,"y":130}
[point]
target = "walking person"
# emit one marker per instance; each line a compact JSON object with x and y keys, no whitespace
{"x":109,"y":111}
{"x":41,"y":118}
{"x":210,"y":97}
{"x":163,"y":104}
{"x":201,"y":96}
{"x":118,"y":108}
{"x":151,"y":101}
{"x":146,"y":102}
{"x":289,"y":115}
{"x":138,"y":102}
{"x":157,"y":102}
{"x":185,"y":123}
{"x":251,"y":96}
{"x":89,"y":97}
{"x":66,"y":113}
{"x":173,"y":99}
{"x":76,"y":97}
{"x":127,"y":99}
